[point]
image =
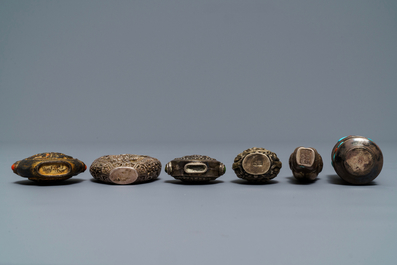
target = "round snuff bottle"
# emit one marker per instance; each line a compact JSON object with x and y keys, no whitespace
{"x":257,"y":165}
{"x":357,"y":159}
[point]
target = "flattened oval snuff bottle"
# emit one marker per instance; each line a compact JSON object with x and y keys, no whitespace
{"x":48,"y":167}
{"x":306,"y":163}
{"x":356,"y":159}
{"x":257,"y":165}
{"x":125,"y":168}
{"x":195,"y":168}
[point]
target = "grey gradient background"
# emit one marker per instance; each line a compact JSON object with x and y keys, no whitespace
{"x":166,"y":71}
{"x":173,"y":78}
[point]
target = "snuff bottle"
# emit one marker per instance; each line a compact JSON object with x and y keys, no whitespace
{"x":195,"y":168}
{"x":48,"y":167}
{"x":306,"y":163}
{"x":357,"y":159}
{"x":257,"y":165}
{"x":125,"y":168}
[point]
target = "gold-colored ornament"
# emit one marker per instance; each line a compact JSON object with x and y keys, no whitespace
{"x":48,"y":167}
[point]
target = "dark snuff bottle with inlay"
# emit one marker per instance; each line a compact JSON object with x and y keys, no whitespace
{"x":195,"y":168}
{"x":257,"y":165}
{"x":48,"y":167}
{"x":357,"y":159}
{"x":306,"y":163}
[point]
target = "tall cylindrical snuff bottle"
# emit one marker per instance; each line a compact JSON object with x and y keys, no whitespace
{"x":357,"y":159}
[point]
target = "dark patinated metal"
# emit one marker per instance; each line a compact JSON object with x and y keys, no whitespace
{"x":257,"y":165}
{"x":125,"y":168}
{"x":48,"y":167}
{"x":195,"y":168}
{"x":306,"y":163}
{"x":356,"y":159}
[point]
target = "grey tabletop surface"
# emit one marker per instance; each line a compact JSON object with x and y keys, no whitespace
{"x":228,"y":221}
